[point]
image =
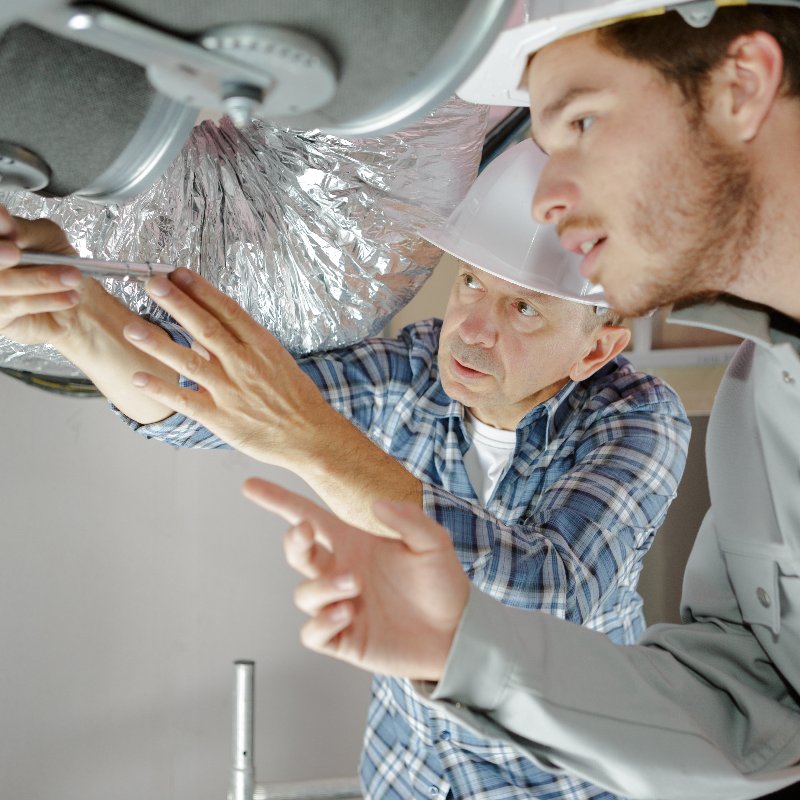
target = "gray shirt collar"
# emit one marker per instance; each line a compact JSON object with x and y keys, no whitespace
{"x":749,"y":323}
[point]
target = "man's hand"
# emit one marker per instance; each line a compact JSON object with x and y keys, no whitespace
{"x":37,"y":304}
{"x":58,"y":305}
{"x":252,"y":393}
{"x":390,"y":606}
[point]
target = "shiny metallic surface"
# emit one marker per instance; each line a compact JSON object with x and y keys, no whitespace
{"x":243,"y":766}
{"x":191,"y":74}
{"x":154,"y":146}
{"x":159,"y":52}
{"x":457,"y":58}
{"x":98,"y":268}
{"x":303,"y":73}
{"x":316,"y":236}
{"x":22,"y":169}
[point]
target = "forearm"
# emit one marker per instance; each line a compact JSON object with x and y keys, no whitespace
{"x":95,"y":344}
{"x":349,"y":472}
{"x":253,"y":396}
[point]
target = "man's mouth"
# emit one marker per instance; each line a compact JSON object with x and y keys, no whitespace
{"x":464,"y":371}
{"x":587,"y":244}
{"x":591,"y":251}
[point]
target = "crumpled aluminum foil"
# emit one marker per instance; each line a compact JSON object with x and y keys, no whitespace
{"x":317,"y":237}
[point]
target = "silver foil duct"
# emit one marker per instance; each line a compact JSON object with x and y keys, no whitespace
{"x":315,"y":236}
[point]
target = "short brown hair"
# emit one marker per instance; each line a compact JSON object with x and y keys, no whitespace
{"x":686,"y":56}
{"x":598,"y":317}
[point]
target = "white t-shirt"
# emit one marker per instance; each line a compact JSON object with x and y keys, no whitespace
{"x":488,"y":457}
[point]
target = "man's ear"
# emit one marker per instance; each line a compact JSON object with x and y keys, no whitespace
{"x":610,"y":341}
{"x":747,"y":83}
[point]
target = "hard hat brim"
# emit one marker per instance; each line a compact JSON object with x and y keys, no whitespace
{"x":486,"y":261}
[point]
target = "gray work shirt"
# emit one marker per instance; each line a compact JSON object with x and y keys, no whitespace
{"x":706,"y":709}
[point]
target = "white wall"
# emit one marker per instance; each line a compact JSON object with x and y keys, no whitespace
{"x":132,"y":575}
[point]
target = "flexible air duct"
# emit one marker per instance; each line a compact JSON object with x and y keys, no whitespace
{"x":314,"y":235}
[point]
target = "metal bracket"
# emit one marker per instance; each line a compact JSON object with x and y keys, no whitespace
{"x":243,"y":785}
{"x":244,"y":70}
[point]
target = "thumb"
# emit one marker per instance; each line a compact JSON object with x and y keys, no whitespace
{"x":418,"y":531}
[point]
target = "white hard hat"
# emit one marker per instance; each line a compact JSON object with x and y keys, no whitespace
{"x":499,"y":78}
{"x":492,"y":229}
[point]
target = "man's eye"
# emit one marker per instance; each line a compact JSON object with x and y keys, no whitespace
{"x":526,"y":309}
{"x":469,"y":281}
{"x":583,"y":123}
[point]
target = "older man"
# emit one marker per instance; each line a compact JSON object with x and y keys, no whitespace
{"x":674,"y":172}
{"x":514,"y":421}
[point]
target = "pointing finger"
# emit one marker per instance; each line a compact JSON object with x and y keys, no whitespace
{"x":294,"y":508}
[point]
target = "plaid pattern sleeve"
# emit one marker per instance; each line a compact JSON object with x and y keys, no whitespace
{"x":177,"y":430}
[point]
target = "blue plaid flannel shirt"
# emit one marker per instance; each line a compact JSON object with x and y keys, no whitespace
{"x":594,"y":470}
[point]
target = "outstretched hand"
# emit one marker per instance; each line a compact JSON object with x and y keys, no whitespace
{"x":251,"y":392}
{"x":390,"y":606}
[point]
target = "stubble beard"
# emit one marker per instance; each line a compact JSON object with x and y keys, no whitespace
{"x":698,"y":217}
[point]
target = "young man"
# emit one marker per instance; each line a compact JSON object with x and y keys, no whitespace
{"x":674,"y":172}
{"x":514,"y":421}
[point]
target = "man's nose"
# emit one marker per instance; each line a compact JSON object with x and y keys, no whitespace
{"x":556,"y":195}
{"x":478,"y":327}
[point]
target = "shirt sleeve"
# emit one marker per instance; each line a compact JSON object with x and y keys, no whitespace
{"x":177,"y":430}
{"x":364,"y":381}
{"x":360,"y":382}
{"x":589,"y":529}
{"x":694,"y":711}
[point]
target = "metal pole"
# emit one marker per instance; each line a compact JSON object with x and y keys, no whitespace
{"x":243,"y":770}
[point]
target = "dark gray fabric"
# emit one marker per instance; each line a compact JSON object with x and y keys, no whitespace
{"x":75,"y":107}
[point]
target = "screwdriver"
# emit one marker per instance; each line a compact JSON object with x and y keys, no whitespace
{"x":97,"y":267}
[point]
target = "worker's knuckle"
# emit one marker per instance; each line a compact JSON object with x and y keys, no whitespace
{"x":193,"y":362}
{"x":230,"y":310}
{"x":14,"y":307}
{"x":211,"y":328}
{"x":183,"y":402}
{"x":44,"y":279}
{"x":6,"y":310}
